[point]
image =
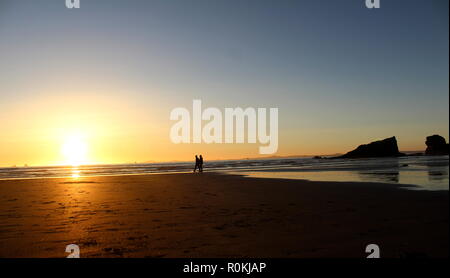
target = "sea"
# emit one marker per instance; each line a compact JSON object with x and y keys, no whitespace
{"x":425,"y":172}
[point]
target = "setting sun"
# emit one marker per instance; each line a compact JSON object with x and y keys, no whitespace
{"x":75,"y":150}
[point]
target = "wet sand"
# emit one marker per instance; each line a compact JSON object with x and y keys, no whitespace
{"x":217,"y":215}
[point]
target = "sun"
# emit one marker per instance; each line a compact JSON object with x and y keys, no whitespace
{"x":75,"y":150}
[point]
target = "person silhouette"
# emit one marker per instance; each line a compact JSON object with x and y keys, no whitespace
{"x":200,"y":164}
{"x":197,"y":164}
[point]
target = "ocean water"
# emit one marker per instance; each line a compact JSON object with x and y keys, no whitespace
{"x":427,"y":172}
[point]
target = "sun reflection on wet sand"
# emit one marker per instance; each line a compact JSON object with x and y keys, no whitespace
{"x":75,"y":172}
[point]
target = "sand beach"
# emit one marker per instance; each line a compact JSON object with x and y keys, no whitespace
{"x":218,"y":215}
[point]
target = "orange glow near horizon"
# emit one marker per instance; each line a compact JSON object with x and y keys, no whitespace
{"x":102,"y":127}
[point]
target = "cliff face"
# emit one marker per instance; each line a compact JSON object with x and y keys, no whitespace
{"x":436,"y":145}
{"x":383,"y":148}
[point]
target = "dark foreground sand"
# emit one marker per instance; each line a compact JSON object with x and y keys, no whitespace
{"x":212,"y":215}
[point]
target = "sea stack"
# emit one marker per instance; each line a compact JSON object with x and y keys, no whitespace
{"x":383,"y":148}
{"x":436,"y":145}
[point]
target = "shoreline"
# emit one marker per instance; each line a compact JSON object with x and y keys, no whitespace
{"x":430,"y":173}
{"x":243,"y":174}
{"x":218,"y":215}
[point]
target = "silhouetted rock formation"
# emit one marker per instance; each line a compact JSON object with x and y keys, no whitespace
{"x":382,"y":148}
{"x":436,"y":145}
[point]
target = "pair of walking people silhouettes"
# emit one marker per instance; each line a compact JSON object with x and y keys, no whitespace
{"x":198,"y":163}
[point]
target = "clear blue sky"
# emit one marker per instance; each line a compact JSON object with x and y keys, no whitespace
{"x":337,"y":71}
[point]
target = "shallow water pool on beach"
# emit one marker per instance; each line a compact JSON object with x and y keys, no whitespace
{"x":426,"y":172}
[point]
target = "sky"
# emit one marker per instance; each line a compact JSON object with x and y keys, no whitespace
{"x":111,"y":72}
